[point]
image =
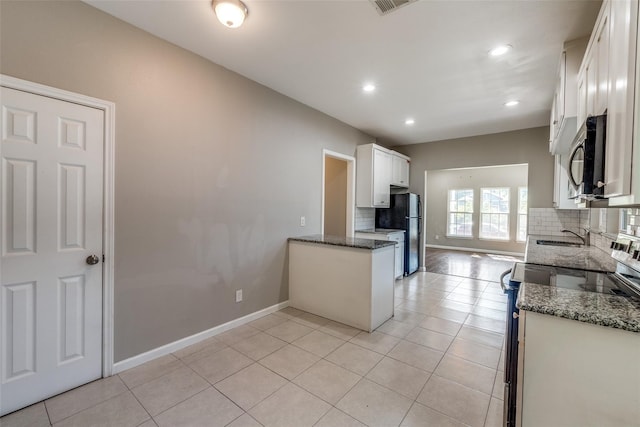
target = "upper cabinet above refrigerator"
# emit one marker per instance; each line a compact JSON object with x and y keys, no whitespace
{"x":400,"y":170}
{"x":377,"y":170}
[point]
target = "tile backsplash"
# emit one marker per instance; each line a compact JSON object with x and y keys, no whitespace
{"x":365,"y":218}
{"x":631,"y":221}
{"x":551,"y":222}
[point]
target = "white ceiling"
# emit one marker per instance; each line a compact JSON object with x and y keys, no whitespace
{"x":428,"y":59}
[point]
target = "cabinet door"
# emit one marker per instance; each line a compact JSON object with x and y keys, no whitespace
{"x":553,"y":122}
{"x":622,"y":67}
{"x":556,"y":181}
{"x":381,"y":178}
{"x":591,"y":72}
{"x":400,"y":172}
{"x":582,"y":99}
{"x":602,"y":63}
{"x":560,"y":92}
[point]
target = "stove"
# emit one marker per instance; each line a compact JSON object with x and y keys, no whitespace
{"x":569,"y":278}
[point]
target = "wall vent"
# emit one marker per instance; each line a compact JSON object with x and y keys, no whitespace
{"x":387,"y":6}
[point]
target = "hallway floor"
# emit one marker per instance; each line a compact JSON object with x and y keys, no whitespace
{"x":438,"y":362}
{"x":475,"y":265}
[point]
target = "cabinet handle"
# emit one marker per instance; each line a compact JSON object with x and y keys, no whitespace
{"x":555,"y":122}
{"x":601,"y":184}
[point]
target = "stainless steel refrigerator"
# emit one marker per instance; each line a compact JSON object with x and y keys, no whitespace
{"x":403,"y":213}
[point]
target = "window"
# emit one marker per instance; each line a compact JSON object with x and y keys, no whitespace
{"x":522,"y":214}
{"x":459,"y":219}
{"x":494,"y":213}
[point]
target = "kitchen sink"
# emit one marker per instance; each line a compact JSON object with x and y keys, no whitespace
{"x":558,"y":243}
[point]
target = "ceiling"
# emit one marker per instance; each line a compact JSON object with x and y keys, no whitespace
{"x":428,"y":59}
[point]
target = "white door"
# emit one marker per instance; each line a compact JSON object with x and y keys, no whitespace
{"x":51,"y":293}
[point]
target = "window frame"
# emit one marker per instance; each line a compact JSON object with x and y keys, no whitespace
{"x":449,"y":212}
{"x":505,"y":214}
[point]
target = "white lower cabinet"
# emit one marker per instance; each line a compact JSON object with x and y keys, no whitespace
{"x":349,"y":285}
{"x":396,"y":236}
{"x":576,"y":374}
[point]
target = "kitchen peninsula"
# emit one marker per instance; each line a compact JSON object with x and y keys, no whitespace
{"x":347,"y":280}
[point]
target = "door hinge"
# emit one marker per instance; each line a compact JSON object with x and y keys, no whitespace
{"x":102,"y":257}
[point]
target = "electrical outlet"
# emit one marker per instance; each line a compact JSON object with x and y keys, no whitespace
{"x":303,"y":221}
{"x":437,"y":237}
{"x":239,"y":295}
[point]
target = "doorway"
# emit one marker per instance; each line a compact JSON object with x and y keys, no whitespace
{"x":338,"y":194}
{"x":56,"y":288}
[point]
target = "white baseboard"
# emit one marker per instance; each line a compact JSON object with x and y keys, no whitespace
{"x":134,"y":361}
{"x":484,"y":251}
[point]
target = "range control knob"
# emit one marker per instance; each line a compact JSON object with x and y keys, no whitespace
{"x":636,"y":254}
{"x":613,"y":245}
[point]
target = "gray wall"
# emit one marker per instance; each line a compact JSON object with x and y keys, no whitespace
{"x":213,"y":171}
{"x":529,"y":146}
{"x":335,"y":197}
{"x":439,"y":183}
{"x":508,"y":148}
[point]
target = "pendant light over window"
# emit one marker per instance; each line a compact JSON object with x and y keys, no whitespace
{"x":231,"y":13}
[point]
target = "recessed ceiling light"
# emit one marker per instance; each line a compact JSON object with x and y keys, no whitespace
{"x":368,"y":87}
{"x":500,"y":50}
{"x":511,"y":103}
{"x":409,"y":122}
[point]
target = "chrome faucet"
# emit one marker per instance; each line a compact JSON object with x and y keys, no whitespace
{"x":585,"y":239}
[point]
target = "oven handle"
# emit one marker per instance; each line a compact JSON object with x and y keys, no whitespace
{"x":502,"y":276}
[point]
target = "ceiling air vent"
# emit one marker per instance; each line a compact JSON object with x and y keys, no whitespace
{"x":387,"y":6}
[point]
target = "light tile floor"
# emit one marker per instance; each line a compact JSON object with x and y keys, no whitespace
{"x":438,"y":362}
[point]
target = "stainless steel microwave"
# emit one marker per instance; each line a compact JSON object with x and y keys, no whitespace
{"x":586,"y":160}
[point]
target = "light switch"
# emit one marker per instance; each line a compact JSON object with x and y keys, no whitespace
{"x":303,"y":221}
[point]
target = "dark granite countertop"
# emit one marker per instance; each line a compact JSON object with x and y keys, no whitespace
{"x":583,"y":258}
{"x":344,"y":241}
{"x":599,"y":309}
{"x":589,"y":307}
{"x":382,"y":231}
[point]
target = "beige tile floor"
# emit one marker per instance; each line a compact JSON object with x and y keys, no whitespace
{"x":438,"y":362}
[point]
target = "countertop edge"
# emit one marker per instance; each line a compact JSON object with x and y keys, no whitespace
{"x":346,"y":242}
{"x":607,"y":317}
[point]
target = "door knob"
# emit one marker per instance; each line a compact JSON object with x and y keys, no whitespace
{"x":93,"y":259}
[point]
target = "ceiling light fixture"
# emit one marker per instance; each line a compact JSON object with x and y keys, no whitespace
{"x":500,"y":50}
{"x":409,"y":122}
{"x":511,"y":103}
{"x":368,"y":87}
{"x":231,"y":13}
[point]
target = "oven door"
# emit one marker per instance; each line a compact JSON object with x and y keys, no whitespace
{"x":510,"y":288}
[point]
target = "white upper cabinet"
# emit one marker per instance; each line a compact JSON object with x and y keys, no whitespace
{"x":593,"y":77}
{"x":373,"y":176}
{"x":377,"y":169}
{"x":622,"y":85}
{"x":602,"y":42}
{"x":564,"y":110}
{"x":400,"y":170}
